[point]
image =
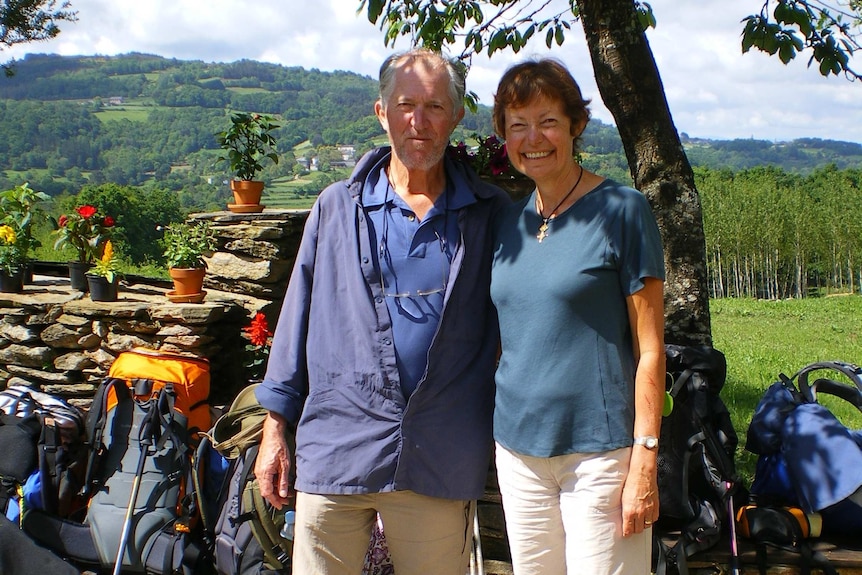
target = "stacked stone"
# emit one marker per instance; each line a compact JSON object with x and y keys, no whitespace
{"x":255,"y":254}
{"x":59,"y":341}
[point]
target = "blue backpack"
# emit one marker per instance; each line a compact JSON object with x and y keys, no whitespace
{"x":807,"y":457}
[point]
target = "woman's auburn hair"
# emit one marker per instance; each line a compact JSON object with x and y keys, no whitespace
{"x":523,"y":83}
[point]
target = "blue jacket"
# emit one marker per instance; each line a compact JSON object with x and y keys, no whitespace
{"x":332,"y":365}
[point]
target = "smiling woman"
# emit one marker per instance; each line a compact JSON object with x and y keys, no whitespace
{"x":594,"y":279}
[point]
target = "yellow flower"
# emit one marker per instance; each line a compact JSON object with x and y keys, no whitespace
{"x":108,"y":254}
{"x":7,"y":234}
{"x":106,"y":265}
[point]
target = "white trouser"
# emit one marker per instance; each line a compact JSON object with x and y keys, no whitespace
{"x":564,"y":514}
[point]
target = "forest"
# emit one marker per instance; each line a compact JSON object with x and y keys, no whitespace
{"x":773,"y":235}
{"x":140,"y":128}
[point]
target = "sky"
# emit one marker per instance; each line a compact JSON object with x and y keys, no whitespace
{"x":713,"y":90}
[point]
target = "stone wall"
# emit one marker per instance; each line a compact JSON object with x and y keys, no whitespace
{"x":56,"y":339}
{"x":255,"y":255}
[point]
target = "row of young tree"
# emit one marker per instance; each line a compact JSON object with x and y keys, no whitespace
{"x":771,"y":234}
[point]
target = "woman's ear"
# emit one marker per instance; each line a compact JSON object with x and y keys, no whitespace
{"x":578,"y":128}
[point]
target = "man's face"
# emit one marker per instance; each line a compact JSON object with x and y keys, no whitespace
{"x":419,"y":115}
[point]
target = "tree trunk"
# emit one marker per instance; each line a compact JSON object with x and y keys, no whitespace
{"x":631,"y":88}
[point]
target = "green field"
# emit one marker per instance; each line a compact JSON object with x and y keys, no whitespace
{"x":762,"y":339}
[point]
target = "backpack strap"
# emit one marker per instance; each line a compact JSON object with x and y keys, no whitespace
{"x":96,"y":420}
{"x":260,"y":513}
{"x":264,"y":528}
{"x":852,"y":394}
{"x":50,"y":445}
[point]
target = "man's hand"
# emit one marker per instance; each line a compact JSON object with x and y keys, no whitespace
{"x":272,"y":466}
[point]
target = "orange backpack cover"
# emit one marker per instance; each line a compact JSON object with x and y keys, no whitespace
{"x":190,"y":377}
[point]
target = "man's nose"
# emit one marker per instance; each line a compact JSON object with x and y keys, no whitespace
{"x":419,"y":116}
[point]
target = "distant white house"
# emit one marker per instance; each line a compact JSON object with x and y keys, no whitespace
{"x":348,"y":153}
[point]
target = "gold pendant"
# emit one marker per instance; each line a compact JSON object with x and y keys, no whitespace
{"x":543,"y":232}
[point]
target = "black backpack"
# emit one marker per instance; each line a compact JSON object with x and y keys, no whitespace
{"x":243,"y":528}
{"x":44,"y":454}
{"x":696,"y":470}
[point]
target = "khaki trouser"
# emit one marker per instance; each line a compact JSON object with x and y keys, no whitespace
{"x":425,"y":535}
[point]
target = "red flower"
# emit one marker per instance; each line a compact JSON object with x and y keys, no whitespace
{"x":86,"y":212}
{"x":62,"y":221}
{"x":258,"y":330}
{"x":108,"y":222}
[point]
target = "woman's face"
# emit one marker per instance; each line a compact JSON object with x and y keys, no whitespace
{"x":540,"y":139}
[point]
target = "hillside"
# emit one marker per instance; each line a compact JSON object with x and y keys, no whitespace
{"x":142,"y":119}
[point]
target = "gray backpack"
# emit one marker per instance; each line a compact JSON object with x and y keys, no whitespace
{"x":142,"y":497}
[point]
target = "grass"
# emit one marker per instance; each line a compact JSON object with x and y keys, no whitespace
{"x":762,"y":339}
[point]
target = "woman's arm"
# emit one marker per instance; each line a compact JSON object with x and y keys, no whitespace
{"x":646,"y":315}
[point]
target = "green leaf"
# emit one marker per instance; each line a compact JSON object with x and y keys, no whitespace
{"x":786,"y":52}
{"x":375,"y":9}
{"x":782,"y":13}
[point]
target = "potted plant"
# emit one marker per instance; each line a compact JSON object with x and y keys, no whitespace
{"x":248,"y":142}
{"x":85,"y":229}
{"x":19,"y":207}
{"x":185,"y":246}
{"x":12,"y":258}
{"x":102,"y":279}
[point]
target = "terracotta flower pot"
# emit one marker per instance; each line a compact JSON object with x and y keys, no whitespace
{"x":246,"y":195}
{"x":188,"y":281}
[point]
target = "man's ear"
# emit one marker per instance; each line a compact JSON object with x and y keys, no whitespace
{"x":380,"y":112}
{"x":459,"y":117}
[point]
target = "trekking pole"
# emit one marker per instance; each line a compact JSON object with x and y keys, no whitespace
{"x":145,"y":439}
{"x":735,"y":568}
{"x":478,"y":559}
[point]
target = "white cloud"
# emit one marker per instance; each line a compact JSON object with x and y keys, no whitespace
{"x":713,"y":91}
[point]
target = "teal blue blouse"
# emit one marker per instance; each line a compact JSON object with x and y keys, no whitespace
{"x":565,"y":382}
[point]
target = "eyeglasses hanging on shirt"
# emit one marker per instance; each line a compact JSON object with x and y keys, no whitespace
{"x":392,"y":291}
{"x":415,"y":302}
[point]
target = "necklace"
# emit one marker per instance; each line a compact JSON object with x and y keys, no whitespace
{"x":543,"y":229}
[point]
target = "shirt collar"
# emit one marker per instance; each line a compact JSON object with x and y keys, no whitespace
{"x":458,"y":189}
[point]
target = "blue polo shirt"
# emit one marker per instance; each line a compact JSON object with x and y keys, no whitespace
{"x":414,"y":259}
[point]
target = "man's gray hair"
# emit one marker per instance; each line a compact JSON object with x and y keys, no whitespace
{"x":456,"y":69}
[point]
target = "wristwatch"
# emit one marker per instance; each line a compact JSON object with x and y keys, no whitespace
{"x":648,"y":441}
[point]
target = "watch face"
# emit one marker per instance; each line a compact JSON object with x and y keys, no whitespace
{"x":648,"y":441}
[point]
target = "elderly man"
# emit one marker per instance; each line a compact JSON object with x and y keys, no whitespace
{"x":385,"y":349}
